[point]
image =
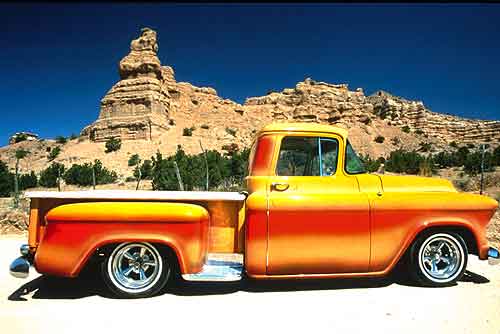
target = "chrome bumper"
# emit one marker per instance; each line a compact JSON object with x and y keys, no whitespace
{"x":493,"y":256}
{"x":20,"y":267}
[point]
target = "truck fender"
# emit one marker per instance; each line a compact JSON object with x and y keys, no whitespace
{"x":74,"y":231}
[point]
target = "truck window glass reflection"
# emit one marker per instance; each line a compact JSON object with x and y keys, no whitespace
{"x":300,"y":156}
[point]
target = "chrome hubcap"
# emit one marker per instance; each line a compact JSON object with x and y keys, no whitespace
{"x":135,"y":267}
{"x":441,"y":258}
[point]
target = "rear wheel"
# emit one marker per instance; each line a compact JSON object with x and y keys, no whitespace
{"x":438,"y":259}
{"x":135,"y":270}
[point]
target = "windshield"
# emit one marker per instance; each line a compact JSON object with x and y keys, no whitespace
{"x":353,"y":164}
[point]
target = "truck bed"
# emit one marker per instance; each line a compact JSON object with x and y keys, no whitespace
{"x":226,"y":209}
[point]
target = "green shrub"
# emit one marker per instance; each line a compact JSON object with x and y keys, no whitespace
{"x":400,"y":161}
{"x":188,"y":132}
{"x":20,"y":137}
{"x":496,"y":156}
{"x":146,"y":169}
{"x":61,"y":140}
{"x":472,"y":164}
{"x":82,"y":174}
{"x":419,"y":132}
{"x":134,"y":160}
{"x":6,"y":180}
{"x":27,"y":181}
{"x":48,"y":176}
{"x":370,"y":164}
{"x":113,"y":144}
{"x":379,"y":139}
{"x":73,"y":136}
{"x":21,"y":154}
{"x":454,"y":144}
{"x":406,"y":129}
{"x":54,"y":153}
{"x":226,"y":171}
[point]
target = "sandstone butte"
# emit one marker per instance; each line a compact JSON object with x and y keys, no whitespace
{"x":149,"y":110}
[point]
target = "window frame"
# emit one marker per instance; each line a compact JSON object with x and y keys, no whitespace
{"x":320,"y":155}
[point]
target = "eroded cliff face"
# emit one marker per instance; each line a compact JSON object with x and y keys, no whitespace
{"x":147,"y":103}
{"x":416,"y":116}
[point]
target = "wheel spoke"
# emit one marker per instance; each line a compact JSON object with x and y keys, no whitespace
{"x":142,"y":275}
{"x":127,"y":271}
{"x":441,"y":244}
{"x":150,"y":263}
{"x":129,"y":256}
{"x":142,"y":252}
{"x":445,"y":260}
{"x":433,"y":266}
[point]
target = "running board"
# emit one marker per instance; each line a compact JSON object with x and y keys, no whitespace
{"x":220,"y":267}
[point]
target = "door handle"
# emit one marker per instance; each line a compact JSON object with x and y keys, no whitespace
{"x":279,"y":186}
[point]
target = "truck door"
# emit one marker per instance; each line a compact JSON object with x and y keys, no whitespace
{"x":318,"y":218}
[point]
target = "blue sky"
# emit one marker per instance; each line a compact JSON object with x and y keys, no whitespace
{"x":58,"y":60}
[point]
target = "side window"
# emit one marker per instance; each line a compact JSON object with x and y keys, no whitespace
{"x":307,"y":156}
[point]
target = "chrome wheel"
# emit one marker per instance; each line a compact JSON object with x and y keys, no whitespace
{"x":441,"y":258}
{"x":135,"y":267}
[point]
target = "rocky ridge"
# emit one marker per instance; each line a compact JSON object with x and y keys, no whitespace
{"x":148,"y":102}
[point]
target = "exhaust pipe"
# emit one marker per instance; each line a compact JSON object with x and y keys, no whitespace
{"x":20,"y":267}
{"x":493,"y":256}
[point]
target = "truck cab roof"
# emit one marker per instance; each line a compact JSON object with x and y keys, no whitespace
{"x":304,"y":127}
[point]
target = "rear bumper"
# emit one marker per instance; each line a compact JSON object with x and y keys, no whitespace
{"x":493,"y":256}
{"x":20,"y":267}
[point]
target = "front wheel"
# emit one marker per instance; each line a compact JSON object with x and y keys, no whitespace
{"x":135,"y":270}
{"x":438,"y":259}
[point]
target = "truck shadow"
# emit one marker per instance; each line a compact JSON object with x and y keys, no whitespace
{"x":46,"y":287}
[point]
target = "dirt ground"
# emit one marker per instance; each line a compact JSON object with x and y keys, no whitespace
{"x":42,"y":304}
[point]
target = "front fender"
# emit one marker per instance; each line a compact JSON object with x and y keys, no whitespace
{"x":75,"y":231}
{"x":397,"y":219}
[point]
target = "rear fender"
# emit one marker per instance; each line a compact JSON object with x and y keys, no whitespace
{"x":75,"y":231}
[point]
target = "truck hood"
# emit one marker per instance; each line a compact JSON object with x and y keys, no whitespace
{"x":399,"y":183}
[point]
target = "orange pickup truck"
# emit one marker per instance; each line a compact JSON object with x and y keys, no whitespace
{"x":311,"y":211}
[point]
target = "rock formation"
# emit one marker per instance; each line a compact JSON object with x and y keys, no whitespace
{"x":137,"y":107}
{"x":148,"y":103}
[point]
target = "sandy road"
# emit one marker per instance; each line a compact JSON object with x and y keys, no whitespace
{"x":48,"y":305}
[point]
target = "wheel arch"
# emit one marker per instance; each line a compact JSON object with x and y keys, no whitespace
{"x":466,"y":232}
{"x":105,"y":248}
